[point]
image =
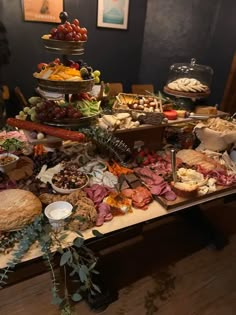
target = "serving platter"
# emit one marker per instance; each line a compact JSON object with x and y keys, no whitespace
{"x":181,"y":201}
{"x":195,"y":95}
{"x":65,"y":87}
{"x":64,"y":47}
{"x":70,"y":122}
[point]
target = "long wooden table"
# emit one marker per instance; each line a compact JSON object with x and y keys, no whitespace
{"x":155,"y":211}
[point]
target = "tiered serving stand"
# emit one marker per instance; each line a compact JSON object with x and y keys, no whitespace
{"x":66,"y":48}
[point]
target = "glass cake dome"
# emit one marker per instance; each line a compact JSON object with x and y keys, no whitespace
{"x":190,"y":78}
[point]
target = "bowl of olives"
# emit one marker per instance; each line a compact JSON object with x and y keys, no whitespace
{"x":8,"y":162}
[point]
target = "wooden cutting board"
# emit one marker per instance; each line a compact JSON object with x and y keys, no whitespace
{"x":180,"y":201}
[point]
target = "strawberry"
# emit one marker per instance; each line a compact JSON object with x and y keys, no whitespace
{"x":141,"y":153}
{"x":42,"y":66}
{"x":146,"y":161}
{"x":152,"y":160}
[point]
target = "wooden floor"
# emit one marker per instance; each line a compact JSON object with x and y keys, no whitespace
{"x":168,"y":271}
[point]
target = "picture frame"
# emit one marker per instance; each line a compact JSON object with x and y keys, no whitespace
{"x":42,"y":10}
{"x":113,"y":14}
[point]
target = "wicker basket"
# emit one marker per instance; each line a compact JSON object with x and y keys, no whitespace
{"x":131,"y":102}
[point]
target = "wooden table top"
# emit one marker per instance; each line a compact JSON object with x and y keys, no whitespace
{"x":137,"y":216}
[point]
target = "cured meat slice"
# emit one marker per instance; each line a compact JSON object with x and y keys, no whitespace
{"x":128,"y":192}
{"x":170,"y":195}
{"x":156,"y":190}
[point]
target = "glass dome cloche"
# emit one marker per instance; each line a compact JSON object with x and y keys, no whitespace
{"x":189,"y":79}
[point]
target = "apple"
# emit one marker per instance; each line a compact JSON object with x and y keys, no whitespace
{"x":42,"y":66}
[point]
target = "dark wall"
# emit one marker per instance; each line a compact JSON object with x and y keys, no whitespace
{"x":117,"y":53}
{"x":176,"y":31}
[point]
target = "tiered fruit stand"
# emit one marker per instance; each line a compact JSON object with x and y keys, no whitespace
{"x":66,"y":87}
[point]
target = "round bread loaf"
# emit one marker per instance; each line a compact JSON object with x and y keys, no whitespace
{"x":18,"y":207}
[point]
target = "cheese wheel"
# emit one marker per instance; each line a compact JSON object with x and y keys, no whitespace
{"x":170,"y":114}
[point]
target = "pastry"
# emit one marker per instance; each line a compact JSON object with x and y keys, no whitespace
{"x":18,"y":207}
{"x":187,"y":85}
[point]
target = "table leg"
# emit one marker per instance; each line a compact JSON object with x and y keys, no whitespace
{"x":212,"y":236}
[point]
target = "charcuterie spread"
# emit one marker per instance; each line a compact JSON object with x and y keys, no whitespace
{"x":64,"y":169}
{"x":76,"y":172}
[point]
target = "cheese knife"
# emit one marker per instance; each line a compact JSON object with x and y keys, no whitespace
{"x":173,"y":164}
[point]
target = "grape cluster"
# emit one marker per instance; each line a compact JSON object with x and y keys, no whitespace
{"x":69,"y":32}
{"x":86,"y":71}
{"x":48,"y":110}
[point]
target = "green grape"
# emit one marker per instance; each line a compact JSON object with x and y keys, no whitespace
{"x":26,"y":109}
{"x":96,"y":73}
{"x":31,"y":111}
{"x":39,"y":105}
{"x":33,"y":117}
{"x":96,"y":80}
{"x":21,"y":113}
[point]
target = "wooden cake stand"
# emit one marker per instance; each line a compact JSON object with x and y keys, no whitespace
{"x":192,"y":95}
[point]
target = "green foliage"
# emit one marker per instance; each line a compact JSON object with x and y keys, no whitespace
{"x":97,"y":233}
{"x":77,"y":259}
{"x":11,"y":144}
{"x":107,"y":141}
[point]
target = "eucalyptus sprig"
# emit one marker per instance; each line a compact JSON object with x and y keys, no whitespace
{"x":77,"y":260}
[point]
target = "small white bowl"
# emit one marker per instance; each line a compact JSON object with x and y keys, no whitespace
{"x":9,"y":166}
{"x":57,"y":212}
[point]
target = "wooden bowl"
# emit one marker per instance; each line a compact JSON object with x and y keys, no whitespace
{"x":65,"y":87}
{"x":63,"y":46}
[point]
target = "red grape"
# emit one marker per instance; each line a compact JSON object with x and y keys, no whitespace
{"x":83,"y":30}
{"x":69,"y":31}
{"x":84,"y":37}
{"x":60,"y":36}
{"x":61,"y":28}
{"x":77,"y":37}
{"x":76,"y":115}
{"x":73,"y":26}
{"x":77,"y":29}
{"x":53,"y":31}
{"x":76,"y":22}
{"x":69,"y":36}
{"x":69,"y":28}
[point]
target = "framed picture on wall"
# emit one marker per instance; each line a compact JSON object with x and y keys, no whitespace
{"x":113,"y":14}
{"x":42,"y":10}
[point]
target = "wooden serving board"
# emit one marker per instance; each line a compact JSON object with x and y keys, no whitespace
{"x":180,"y":201}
